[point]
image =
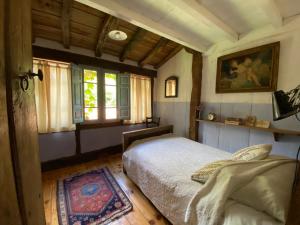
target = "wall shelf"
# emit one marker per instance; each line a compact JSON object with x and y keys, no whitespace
{"x":276,"y":132}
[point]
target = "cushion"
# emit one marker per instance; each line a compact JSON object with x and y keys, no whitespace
{"x":206,"y":171}
{"x":255,"y":152}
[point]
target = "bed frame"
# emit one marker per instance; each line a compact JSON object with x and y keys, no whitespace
{"x":131,"y":136}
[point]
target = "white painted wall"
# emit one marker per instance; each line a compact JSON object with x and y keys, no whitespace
{"x":258,"y":104}
{"x":288,"y":77}
{"x":175,"y":110}
{"x":63,"y":144}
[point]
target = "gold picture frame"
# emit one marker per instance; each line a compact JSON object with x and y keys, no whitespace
{"x":251,"y":70}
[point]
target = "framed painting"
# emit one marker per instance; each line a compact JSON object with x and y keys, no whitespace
{"x":251,"y":70}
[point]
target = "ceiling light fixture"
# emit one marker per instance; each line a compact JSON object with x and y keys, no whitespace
{"x":117,"y":35}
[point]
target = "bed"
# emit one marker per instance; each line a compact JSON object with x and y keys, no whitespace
{"x":161,"y":164}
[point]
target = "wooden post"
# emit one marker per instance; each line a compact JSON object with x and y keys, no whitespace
{"x":196,"y":93}
{"x":21,"y":113}
{"x":9,"y":207}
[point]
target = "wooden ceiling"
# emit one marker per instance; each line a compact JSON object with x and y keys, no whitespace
{"x":74,"y":24}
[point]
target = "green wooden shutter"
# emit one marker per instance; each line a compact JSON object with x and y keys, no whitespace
{"x":77,"y":93}
{"x":124,"y":96}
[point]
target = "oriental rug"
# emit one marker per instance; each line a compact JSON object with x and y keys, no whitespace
{"x":90,"y":198}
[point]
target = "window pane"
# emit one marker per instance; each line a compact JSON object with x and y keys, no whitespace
{"x":110,"y":79}
{"x":111,"y":113}
{"x":90,"y":113}
{"x":110,"y":96}
{"x":90,"y":76}
{"x":90,"y":95}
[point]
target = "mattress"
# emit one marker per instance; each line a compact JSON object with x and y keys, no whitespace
{"x":162,"y":166}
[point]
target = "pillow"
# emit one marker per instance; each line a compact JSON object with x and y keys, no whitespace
{"x":255,"y":152}
{"x":206,"y":171}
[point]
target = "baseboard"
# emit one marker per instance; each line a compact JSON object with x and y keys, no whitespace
{"x":80,"y":158}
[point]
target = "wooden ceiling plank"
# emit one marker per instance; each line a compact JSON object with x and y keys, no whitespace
{"x":66,"y":22}
{"x":138,"y":35}
{"x":106,"y":27}
{"x":117,"y":9}
{"x":169,"y":56}
{"x":158,"y":47}
{"x":200,"y":12}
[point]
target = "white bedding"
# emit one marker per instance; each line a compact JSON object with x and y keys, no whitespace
{"x":162,"y":169}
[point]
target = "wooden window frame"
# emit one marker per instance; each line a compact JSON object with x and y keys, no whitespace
{"x":101,"y":98}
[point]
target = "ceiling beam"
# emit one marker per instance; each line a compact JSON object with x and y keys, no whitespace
{"x":272,"y":11}
{"x":66,"y":22}
{"x":105,"y":28}
{"x":202,"y":13}
{"x":169,"y":56}
{"x":136,"y":37}
{"x":131,"y":15}
{"x":158,"y":47}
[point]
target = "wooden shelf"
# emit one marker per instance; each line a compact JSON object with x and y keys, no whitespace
{"x":276,"y":132}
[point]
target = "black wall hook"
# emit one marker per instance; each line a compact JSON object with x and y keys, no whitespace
{"x":29,"y":75}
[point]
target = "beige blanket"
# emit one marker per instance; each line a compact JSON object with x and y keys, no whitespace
{"x":254,"y":183}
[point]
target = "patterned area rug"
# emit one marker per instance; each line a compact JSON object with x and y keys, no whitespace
{"x":91,"y":198}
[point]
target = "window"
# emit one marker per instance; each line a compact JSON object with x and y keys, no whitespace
{"x":110,"y":95}
{"x":90,"y":83}
{"x":104,"y":95}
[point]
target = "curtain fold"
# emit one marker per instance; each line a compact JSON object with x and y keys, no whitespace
{"x":140,"y":96}
{"x":53,"y":96}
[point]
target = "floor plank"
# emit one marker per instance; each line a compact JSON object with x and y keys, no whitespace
{"x":143,"y":213}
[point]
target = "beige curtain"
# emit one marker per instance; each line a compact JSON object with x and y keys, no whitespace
{"x":53,"y":96}
{"x":140,"y":89}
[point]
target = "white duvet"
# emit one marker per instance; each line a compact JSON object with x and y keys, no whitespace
{"x":162,"y":169}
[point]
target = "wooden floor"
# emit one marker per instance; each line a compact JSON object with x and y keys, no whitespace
{"x":143,"y":211}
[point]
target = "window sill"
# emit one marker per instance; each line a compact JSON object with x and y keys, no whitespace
{"x":95,"y":125}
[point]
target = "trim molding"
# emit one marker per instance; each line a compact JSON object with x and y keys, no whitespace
{"x":79,"y":158}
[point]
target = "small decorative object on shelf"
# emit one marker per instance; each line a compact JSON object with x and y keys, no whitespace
{"x":262,"y":123}
{"x":250,"y":121}
{"x":211,"y":116}
{"x":233,"y":121}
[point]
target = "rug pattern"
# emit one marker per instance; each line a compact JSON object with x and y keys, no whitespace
{"x":91,"y":198}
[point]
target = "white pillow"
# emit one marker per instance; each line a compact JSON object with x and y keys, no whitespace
{"x":255,"y":152}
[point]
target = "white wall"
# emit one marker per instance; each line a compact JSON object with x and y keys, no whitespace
{"x":288,"y":77}
{"x":257,"y":104}
{"x":63,"y":144}
{"x":175,"y":110}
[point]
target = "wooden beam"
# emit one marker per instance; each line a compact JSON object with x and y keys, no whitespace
{"x":66,"y":22}
{"x":47,"y":53}
{"x":121,"y":10}
{"x":271,"y":10}
{"x":106,"y":27}
{"x":169,"y":56}
{"x":158,"y":47}
{"x":198,"y":11}
{"x":138,"y":35}
{"x":196,"y":94}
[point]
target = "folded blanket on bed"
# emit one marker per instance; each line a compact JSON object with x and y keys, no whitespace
{"x":263,"y":184}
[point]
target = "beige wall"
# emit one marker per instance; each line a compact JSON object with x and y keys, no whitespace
{"x":289,"y":63}
{"x":175,"y":110}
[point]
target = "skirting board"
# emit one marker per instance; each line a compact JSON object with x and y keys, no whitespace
{"x":79,"y":158}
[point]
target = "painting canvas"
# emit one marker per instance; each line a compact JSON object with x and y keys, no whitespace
{"x":251,"y":70}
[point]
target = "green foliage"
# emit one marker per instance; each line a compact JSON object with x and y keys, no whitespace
{"x":90,"y":76}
